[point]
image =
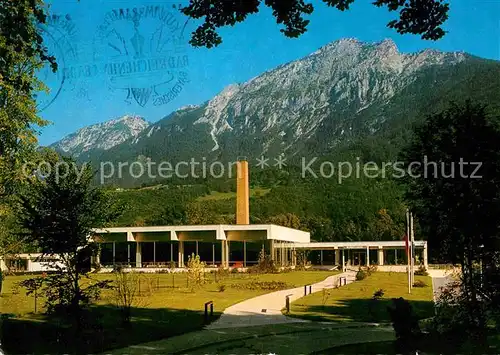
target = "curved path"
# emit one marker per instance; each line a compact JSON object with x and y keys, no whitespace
{"x":266,"y":309}
{"x":440,"y":279}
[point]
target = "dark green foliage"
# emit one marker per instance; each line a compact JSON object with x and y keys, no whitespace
{"x":60,"y":212}
{"x":373,"y":304}
{"x":58,"y":292}
{"x":263,"y":285}
{"x":289,"y":220}
{"x":421,"y":271}
{"x":22,"y":36}
{"x":301,"y":256}
{"x":265,"y":265}
{"x":174,"y":214}
{"x":361,"y":275}
{"x":57,"y":214}
{"x":423,"y":17}
{"x":32,"y":285}
{"x":419,"y":283}
{"x":155,"y":206}
{"x":454,"y":318}
{"x":405,"y":324}
{"x":460,"y":213}
{"x":378,"y":294}
{"x":22,"y":53}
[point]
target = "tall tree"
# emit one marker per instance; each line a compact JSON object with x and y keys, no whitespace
{"x":453,"y":185}
{"x":57,"y":214}
{"x":423,"y":17}
{"x":22,"y":54}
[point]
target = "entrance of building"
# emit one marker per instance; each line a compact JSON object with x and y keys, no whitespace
{"x":359,"y":258}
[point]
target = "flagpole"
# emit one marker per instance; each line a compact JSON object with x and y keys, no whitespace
{"x":412,"y":250}
{"x":406,"y":249}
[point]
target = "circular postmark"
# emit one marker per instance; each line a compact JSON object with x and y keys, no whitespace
{"x":142,"y":51}
{"x":58,"y":33}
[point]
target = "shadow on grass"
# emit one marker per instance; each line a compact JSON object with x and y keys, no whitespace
{"x":102,"y":330}
{"x":358,"y":310}
{"x":428,"y":345}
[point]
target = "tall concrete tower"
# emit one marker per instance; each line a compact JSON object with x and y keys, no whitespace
{"x":242,"y":192}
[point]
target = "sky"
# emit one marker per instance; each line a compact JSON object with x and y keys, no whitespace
{"x":97,"y":49}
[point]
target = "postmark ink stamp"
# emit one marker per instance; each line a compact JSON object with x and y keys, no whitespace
{"x":59,"y":34}
{"x":142,"y":51}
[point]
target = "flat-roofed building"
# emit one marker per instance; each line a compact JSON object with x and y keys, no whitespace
{"x":239,"y":246}
{"x":222,"y":244}
{"x":228,"y":245}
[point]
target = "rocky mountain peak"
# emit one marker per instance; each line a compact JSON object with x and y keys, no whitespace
{"x":103,"y":135}
{"x":343,"y":91}
{"x":301,"y":94}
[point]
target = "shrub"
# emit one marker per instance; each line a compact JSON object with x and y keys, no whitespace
{"x":453,"y":317}
{"x":405,"y":324}
{"x":265,"y":265}
{"x":118,"y":268}
{"x":301,"y":257}
{"x":262,"y":285}
{"x":15,"y":288}
{"x":221,"y":288}
{"x":422,"y":271}
{"x":151,"y":284}
{"x":373,"y":305}
{"x":378,"y":294}
{"x":196,"y":271}
{"x":419,"y":283}
{"x":172,"y":265}
{"x":57,"y":289}
{"x":221,"y":273}
{"x":370,"y":269}
{"x":326,"y":295}
{"x":360,"y":275}
{"x":126,"y":294}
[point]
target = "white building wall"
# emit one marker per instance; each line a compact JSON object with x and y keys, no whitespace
{"x":392,"y":268}
{"x":34,"y":266}
{"x":288,"y":234}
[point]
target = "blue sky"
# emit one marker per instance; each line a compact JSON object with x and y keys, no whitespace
{"x":248,"y":50}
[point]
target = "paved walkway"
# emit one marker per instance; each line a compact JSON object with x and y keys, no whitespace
{"x":266,"y":309}
{"x":440,"y":278}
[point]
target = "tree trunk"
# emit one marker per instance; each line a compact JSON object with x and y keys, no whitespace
{"x":76,"y":297}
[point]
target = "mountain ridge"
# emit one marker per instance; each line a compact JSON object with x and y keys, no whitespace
{"x":101,"y":136}
{"x":328,"y":101}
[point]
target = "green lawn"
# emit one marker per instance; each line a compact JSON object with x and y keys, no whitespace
{"x":166,"y":307}
{"x":427,"y":345}
{"x":354,"y":301}
{"x":293,"y":338}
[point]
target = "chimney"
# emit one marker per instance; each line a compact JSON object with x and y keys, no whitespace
{"x":242,"y":192}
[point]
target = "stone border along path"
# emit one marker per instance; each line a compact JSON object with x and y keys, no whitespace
{"x":266,"y":309}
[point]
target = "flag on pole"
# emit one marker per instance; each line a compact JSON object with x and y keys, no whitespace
{"x":407,"y":249}
{"x":407,"y":246}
